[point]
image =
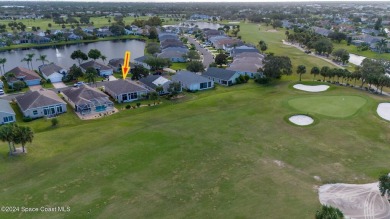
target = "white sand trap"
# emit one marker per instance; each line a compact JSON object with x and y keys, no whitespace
{"x":356,"y":201}
{"x":311,"y":88}
{"x":301,"y":120}
{"x":383,"y":111}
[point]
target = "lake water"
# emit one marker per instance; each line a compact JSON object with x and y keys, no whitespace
{"x":356,"y":59}
{"x":61,"y":54}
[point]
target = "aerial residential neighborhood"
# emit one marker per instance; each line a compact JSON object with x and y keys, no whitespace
{"x":195,"y":110}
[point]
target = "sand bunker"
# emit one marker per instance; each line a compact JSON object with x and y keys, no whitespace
{"x":272,"y":31}
{"x":383,"y":111}
{"x":356,"y":201}
{"x":311,"y":88}
{"x":301,"y":120}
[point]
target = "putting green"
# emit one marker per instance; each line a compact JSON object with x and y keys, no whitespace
{"x":332,"y":106}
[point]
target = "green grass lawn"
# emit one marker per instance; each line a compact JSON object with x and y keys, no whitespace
{"x":253,"y":33}
{"x":212,"y":154}
{"x":368,"y":53}
{"x":179,"y":65}
{"x":332,"y":106}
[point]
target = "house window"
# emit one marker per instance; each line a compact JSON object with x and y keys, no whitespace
{"x":203,"y":85}
{"x":35,"y":112}
{"x":53,"y":111}
{"x":209,"y":84}
{"x":46,"y":111}
{"x":133,"y":96}
{"x":124,"y":97}
{"x":5,"y":119}
{"x":59,"y":109}
{"x":10,"y":118}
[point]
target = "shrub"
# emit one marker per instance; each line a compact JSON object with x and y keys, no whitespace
{"x":27,"y":119}
{"x":138,"y":104}
{"x":54,"y":122}
{"x":128,"y":106}
{"x":263,"y":80}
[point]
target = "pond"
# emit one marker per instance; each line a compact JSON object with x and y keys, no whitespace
{"x":61,"y":54}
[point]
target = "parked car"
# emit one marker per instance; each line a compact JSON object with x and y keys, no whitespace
{"x":2,"y":92}
{"x":78,"y":83}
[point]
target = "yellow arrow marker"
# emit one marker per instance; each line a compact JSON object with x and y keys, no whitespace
{"x":126,"y":66}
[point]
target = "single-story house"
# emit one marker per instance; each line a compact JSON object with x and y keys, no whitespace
{"x":22,"y":74}
{"x":103,"y":70}
{"x":154,"y":81}
{"x":192,"y":81}
{"x":241,"y":49}
{"x":52,"y":72}
{"x":174,"y":56}
{"x":7,"y":114}
{"x":40,"y":103}
{"x":221,"y":76}
{"x":246,"y":66}
{"x":116,"y":64}
{"x":124,"y":90}
{"x":141,"y":61}
{"x":85,"y":99}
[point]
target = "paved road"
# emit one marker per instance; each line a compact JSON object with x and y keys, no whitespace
{"x":207,"y":56}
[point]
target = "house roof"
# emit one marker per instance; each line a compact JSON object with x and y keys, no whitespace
{"x":141,"y":59}
{"x":246,"y":64}
{"x":50,"y":69}
{"x":5,"y":107}
{"x":153,"y":81}
{"x":122,"y":87}
{"x":187,"y":77}
{"x":39,"y":98}
{"x":116,"y":62}
{"x":24,"y":73}
{"x":171,"y":54}
{"x":95,"y":65}
{"x":83,"y":94}
{"x":219,"y":73}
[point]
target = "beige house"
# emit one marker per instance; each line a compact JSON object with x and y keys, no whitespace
{"x":41,"y":103}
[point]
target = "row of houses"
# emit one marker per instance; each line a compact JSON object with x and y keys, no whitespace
{"x":172,"y":47}
{"x":247,"y":59}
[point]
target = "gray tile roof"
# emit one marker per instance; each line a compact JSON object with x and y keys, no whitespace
{"x":50,"y":69}
{"x":24,"y":73}
{"x":141,"y":59}
{"x":187,"y":77}
{"x":148,"y":81}
{"x":5,"y":107}
{"x":123,"y":87}
{"x":171,"y":54}
{"x":95,"y":65}
{"x":220,"y":73}
{"x":39,"y":98}
{"x":83,"y":94}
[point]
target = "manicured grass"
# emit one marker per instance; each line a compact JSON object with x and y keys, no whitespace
{"x":368,"y":53}
{"x":332,"y":106}
{"x":179,"y":65}
{"x":221,"y":153}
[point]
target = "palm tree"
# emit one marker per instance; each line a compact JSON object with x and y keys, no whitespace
{"x":301,"y":70}
{"x":30,"y":57}
{"x":23,"y":136}
{"x":103,"y":57}
{"x":314,"y":71}
{"x":2,"y":62}
{"x":26,"y":60}
{"x":4,"y":136}
{"x":381,"y":44}
{"x":42,"y":58}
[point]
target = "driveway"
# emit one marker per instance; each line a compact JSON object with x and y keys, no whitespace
{"x":35,"y":87}
{"x":208,"y":58}
{"x":112,"y":78}
{"x":59,"y":85}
